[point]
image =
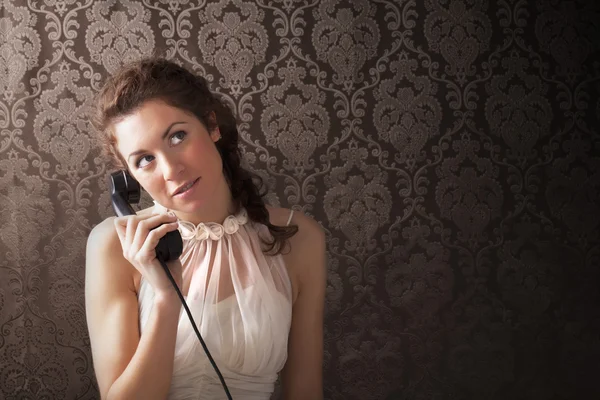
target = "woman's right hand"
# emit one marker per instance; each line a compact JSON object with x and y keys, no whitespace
{"x":139,"y":240}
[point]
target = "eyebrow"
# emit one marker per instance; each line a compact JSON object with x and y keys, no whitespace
{"x":164,"y":135}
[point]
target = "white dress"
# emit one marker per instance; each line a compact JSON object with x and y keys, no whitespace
{"x":242,"y":305}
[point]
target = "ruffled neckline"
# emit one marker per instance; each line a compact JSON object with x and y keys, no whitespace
{"x":209,"y":230}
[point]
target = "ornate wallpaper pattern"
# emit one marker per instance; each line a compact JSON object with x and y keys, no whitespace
{"x":449,"y":148}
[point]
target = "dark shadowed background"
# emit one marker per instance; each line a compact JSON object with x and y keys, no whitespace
{"x":449,"y":148}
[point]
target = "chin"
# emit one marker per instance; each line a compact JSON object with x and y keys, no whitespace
{"x":190,"y":205}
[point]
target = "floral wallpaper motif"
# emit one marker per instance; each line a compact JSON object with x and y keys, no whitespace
{"x":449,"y":148}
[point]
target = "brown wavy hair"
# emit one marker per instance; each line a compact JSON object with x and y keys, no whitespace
{"x":155,"y":78}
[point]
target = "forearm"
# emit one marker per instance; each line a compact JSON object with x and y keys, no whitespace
{"x":148,"y":374}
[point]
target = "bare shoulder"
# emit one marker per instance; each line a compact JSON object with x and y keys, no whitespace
{"x":306,"y":256}
{"x":104,"y":234}
{"x":310,"y":232}
{"x":104,"y":256}
{"x":104,"y":241}
{"x":307,"y":247}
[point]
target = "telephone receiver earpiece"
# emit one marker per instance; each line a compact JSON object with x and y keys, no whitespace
{"x":125,"y":190}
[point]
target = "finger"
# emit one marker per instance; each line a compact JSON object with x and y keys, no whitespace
{"x":153,"y":220}
{"x":155,"y":235}
{"x":132,"y":223}
{"x":120,"y":226}
{"x":147,"y":225}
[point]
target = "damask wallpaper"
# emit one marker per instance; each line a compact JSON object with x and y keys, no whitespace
{"x":449,"y":148}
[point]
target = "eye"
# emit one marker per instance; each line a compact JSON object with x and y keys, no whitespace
{"x":140,"y":162}
{"x":178,"y":137}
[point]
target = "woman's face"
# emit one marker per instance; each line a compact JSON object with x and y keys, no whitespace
{"x":167,"y":149}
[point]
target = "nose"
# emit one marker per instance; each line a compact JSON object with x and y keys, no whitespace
{"x":171,"y":167}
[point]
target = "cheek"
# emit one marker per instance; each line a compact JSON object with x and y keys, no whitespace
{"x":217,"y":162}
{"x":207,"y":157}
{"x":211,"y":167}
{"x":152,"y":183}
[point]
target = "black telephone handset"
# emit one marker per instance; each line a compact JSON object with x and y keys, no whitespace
{"x":125,"y":190}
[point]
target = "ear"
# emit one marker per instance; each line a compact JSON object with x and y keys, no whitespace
{"x":215,"y":135}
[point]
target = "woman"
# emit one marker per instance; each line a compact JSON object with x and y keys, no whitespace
{"x":253,"y":275}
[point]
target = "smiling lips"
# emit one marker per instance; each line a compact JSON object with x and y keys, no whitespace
{"x":183,"y":188}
